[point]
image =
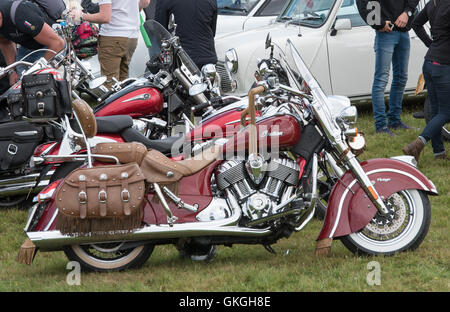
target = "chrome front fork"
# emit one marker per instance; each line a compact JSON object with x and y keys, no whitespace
{"x":351,"y":161}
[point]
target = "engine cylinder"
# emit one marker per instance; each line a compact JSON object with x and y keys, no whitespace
{"x":258,"y":200}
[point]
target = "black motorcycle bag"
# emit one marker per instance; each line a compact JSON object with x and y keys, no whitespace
{"x":15,"y":105}
{"x":18,"y":140}
{"x":311,"y":142}
{"x":44,"y":97}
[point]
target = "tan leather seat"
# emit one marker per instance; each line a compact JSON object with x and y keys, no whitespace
{"x":157,"y":168}
{"x":125,"y":152}
{"x":86,"y":116}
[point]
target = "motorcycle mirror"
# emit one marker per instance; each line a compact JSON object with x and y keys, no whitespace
{"x":268,"y":41}
{"x":197,"y":89}
{"x":172,"y":25}
{"x":209,"y":71}
{"x":97,"y":82}
{"x":349,"y":115}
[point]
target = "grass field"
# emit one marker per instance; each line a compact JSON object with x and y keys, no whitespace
{"x":251,"y":268}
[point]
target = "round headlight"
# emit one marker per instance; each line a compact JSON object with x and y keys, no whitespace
{"x":357,"y":144}
{"x":231,"y":60}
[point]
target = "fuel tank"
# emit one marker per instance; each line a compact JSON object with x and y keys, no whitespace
{"x":222,"y":125}
{"x":281,"y":132}
{"x":135,"y":101}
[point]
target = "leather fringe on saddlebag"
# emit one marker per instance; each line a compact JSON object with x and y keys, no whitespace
{"x":101,"y":200}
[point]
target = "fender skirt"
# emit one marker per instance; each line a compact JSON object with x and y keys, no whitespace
{"x":349,"y":208}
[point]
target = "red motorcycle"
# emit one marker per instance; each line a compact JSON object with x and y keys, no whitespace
{"x":255,"y":187}
{"x":158,"y":101}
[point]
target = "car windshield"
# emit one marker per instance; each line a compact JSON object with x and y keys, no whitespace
{"x":235,"y":7}
{"x":312,"y":13}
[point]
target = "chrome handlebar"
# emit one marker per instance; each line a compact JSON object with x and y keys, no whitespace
{"x":6,"y":70}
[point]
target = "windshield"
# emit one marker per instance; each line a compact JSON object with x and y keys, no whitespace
{"x":298,"y":68}
{"x":235,"y":7}
{"x":305,"y":80}
{"x":312,"y":13}
{"x":156,"y":33}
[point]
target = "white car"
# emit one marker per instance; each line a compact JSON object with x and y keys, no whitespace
{"x":233,"y":16}
{"x":239,"y":15}
{"x":333,"y":40}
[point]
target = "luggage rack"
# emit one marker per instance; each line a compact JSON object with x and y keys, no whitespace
{"x":59,"y":158}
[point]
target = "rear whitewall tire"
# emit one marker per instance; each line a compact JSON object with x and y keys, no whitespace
{"x":133,"y":258}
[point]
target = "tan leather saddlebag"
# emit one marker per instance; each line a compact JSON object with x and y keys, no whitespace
{"x":101,"y":200}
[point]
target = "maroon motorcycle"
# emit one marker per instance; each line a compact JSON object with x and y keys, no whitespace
{"x":255,"y":187}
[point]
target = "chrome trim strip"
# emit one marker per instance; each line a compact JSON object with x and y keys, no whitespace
{"x":51,"y":220}
{"x":30,"y":216}
{"x":406,"y":159}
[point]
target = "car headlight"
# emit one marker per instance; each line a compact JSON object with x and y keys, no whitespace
{"x":231,"y":60}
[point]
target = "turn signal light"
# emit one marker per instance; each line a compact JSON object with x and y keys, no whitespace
{"x":351,"y":132}
{"x":47,"y":193}
{"x":372,"y":191}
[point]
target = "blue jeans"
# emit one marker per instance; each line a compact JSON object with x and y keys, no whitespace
{"x":437,"y":78}
{"x":22,"y":52}
{"x":390,"y":48}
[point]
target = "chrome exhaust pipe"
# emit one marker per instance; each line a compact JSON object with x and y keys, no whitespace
{"x":19,"y":180}
{"x":23,"y":189}
{"x":22,"y":185}
{"x":54,"y":240}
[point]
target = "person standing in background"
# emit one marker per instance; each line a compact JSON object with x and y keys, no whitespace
{"x":150,"y":10}
{"x":119,"y":33}
{"x":196,"y":26}
{"x":436,"y":71}
{"x":392,"y":45}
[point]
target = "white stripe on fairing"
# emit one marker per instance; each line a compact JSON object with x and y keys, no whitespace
{"x":341,"y":203}
{"x":51,"y":221}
